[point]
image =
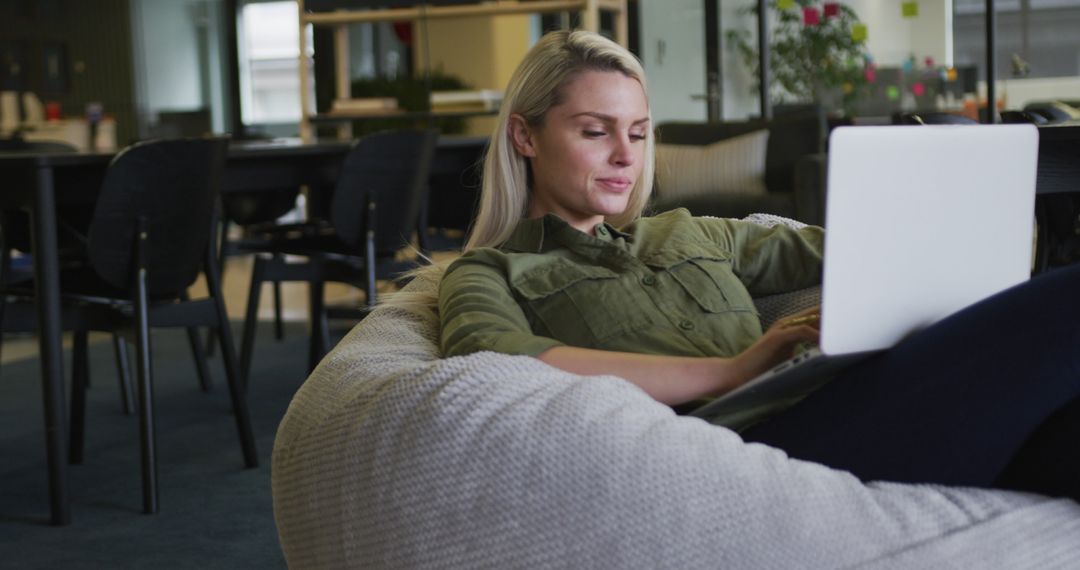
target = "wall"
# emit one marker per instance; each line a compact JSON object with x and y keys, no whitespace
{"x":97,"y":40}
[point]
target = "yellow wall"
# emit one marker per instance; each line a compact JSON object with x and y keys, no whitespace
{"x":483,"y":51}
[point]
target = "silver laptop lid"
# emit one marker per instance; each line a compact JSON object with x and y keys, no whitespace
{"x":922,"y":221}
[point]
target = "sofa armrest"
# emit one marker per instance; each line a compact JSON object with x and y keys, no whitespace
{"x":809,"y":189}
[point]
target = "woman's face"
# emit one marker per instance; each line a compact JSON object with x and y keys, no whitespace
{"x":589,"y":150}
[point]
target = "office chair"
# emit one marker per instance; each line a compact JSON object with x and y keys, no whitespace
{"x":374,"y":212}
{"x":148,"y":239}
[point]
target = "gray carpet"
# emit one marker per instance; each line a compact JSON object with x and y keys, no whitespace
{"x":214,"y":512}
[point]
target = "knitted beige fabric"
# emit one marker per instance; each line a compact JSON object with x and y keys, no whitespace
{"x":390,"y":457}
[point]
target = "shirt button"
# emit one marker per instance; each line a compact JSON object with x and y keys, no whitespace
{"x":601,"y":230}
{"x":686,"y":325}
{"x":649,"y":280}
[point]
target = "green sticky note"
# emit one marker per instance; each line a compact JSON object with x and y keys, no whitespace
{"x":785,"y":4}
{"x":909,"y":9}
{"x":858,"y":32}
{"x":892,"y":92}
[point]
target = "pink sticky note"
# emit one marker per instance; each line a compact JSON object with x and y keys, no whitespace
{"x":871,"y":75}
{"x":918,"y":89}
{"x":929,"y":61}
{"x":811,"y":16}
{"x":832,"y":9}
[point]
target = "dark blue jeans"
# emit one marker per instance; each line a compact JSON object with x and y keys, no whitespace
{"x":989,"y":396}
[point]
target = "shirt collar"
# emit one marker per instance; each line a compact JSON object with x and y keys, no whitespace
{"x":537,"y":235}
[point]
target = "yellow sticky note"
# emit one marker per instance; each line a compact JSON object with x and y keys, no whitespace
{"x":785,"y":4}
{"x":858,"y":32}
{"x":950,"y":74}
{"x":909,"y":9}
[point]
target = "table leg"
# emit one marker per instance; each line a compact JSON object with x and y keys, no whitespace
{"x":47,"y":291}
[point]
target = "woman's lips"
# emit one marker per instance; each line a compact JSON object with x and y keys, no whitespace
{"x":617,"y":183}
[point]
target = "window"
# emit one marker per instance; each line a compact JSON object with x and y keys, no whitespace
{"x":1034,"y":38}
{"x":269,"y":41}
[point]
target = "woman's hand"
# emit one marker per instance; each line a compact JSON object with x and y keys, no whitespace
{"x":778,"y":344}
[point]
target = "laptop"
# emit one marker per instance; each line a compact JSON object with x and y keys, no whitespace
{"x":921,"y":221}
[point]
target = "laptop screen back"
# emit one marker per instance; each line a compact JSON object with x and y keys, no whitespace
{"x":922,"y":221}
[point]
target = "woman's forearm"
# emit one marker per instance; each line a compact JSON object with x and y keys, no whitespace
{"x":678,"y":379}
{"x":668,"y":379}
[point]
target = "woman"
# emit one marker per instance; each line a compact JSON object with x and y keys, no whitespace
{"x":561,"y":267}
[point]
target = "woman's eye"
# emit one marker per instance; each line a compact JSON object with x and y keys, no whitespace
{"x":593,"y":134}
{"x":637,"y":137}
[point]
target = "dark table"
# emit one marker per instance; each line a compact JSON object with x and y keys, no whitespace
{"x":38,"y":181}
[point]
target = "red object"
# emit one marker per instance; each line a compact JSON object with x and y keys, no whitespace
{"x":871,"y":75}
{"x":918,"y":89}
{"x":929,"y":61}
{"x":832,"y":9}
{"x":403,"y":31}
{"x":811,"y":16}
{"x":52,"y":111}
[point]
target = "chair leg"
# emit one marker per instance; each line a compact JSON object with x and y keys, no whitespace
{"x":320,"y":332}
{"x":3,"y":309}
{"x":123,"y":372}
{"x":232,"y":372}
{"x":279,"y":328}
{"x":147,"y":431}
{"x":199,"y":353}
{"x":222,"y":241}
{"x":251,"y":320}
{"x":79,"y":373}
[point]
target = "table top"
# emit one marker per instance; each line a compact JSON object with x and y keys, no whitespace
{"x":269,"y":148}
{"x":237,"y":149}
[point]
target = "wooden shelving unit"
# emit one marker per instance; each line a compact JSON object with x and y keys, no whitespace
{"x":341,"y":19}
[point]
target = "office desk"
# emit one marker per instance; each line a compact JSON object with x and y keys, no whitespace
{"x":38,"y":182}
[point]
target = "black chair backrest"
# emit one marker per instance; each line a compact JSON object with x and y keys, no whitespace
{"x":932,"y":118}
{"x":1022,"y":117}
{"x":1052,"y":111}
{"x":390,"y":169}
{"x":173,"y":185}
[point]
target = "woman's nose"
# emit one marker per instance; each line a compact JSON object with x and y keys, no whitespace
{"x":623,"y":153}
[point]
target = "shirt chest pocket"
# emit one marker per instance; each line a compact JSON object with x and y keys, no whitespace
{"x":706,"y":275}
{"x":581,"y":305}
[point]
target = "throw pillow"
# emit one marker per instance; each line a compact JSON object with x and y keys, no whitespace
{"x":733,"y":165}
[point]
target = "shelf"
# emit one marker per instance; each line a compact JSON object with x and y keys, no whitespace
{"x":338,"y":17}
{"x":341,"y":19}
{"x":344,"y":117}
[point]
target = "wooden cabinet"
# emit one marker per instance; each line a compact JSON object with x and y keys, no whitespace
{"x":341,"y":19}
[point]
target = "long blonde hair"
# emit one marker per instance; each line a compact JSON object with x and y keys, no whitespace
{"x":537,"y":85}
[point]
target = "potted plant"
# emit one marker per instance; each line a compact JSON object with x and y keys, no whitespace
{"x":817,"y":53}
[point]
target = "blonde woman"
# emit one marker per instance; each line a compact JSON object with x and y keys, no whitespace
{"x":561,"y":266}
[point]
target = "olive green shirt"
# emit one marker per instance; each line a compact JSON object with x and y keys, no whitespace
{"x":671,"y":284}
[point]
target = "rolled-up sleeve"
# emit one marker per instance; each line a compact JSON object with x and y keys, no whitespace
{"x":478,"y":312}
{"x":771,"y":260}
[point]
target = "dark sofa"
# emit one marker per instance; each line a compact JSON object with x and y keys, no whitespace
{"x":794,"y":167}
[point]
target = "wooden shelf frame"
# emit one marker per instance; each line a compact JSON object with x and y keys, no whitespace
{"x":341,"y":19}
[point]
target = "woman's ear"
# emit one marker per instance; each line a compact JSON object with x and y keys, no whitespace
{"x":521,"y":135}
